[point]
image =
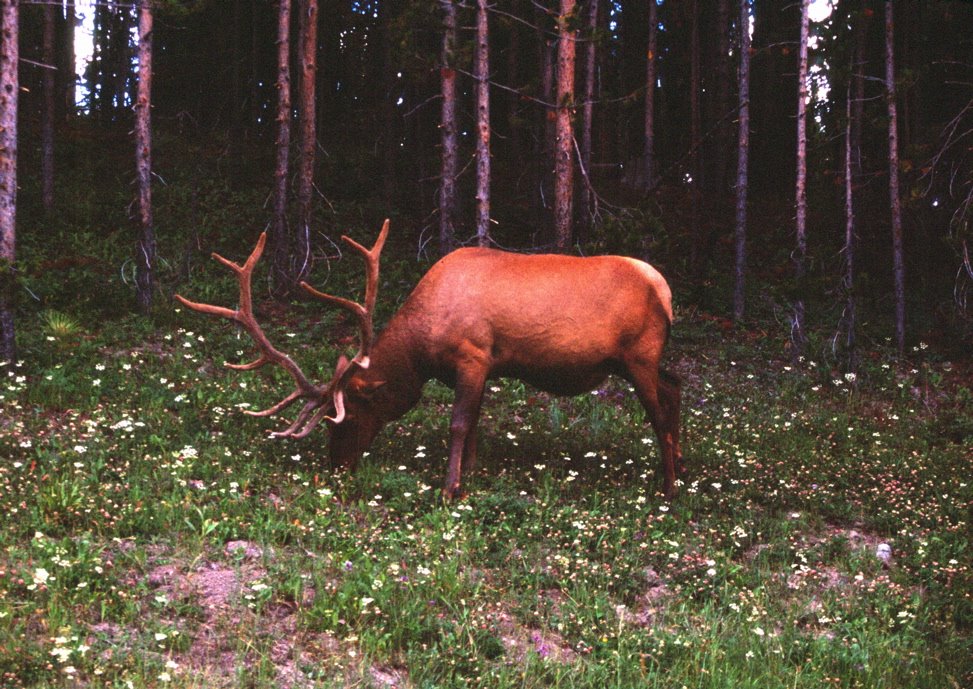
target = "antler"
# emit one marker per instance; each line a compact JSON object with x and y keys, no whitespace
{"x":317,"y":406}
{"x":362,"y":313}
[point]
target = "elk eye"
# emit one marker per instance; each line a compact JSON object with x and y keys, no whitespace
{"x":363,"y":391}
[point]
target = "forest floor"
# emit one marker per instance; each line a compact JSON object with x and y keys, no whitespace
{"x":156,"y":536}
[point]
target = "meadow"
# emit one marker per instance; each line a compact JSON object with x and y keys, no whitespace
{"x":155,"y":536}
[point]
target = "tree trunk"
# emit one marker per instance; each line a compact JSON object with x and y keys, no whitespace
{"x":855,"y":106}
{"x":773,"y":73}
{"x":849,"y":248}
{"x":695,"y":141}
{"x":798,"y":335}
{"x":648,"y":149}
{"x":519,"y":150}
{"x":390,"y":123}
{"x":9,"y":90}
{"x":695,"y":86}
{"x":482,"y":75}
{"x":723,"y":76}
{"x":587,"y":202}
{"x":68,"y":58}
{"x":49,"y":110}
{"x":544,"y":151}
{"x":564,"y":133}
{"x":898,"y":260}
{"x":305,"y":177}
{"x":237,"y":128}
{"x":448,"y":131}
{"x":145,"y":250}
{"x":280,"y":277}
{"x":255,"y":78}
{"x":743,"y":154}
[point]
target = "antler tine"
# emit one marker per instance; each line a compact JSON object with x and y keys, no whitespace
{"x":300,"y":428}
{"x":362,"y":312}
{"x":283,"y":404}
{"x":243,"y":315}
{"x":303,"y":425}
{"x":371,"y":257}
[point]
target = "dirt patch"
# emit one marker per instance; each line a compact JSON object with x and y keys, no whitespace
{"x":230,"y":631}
{"x":519,"y":641}
{"x":387,"y":677}
{"x":856,"y":541}
{"x":649,"y":604}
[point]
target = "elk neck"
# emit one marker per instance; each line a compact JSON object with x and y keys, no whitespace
{"x":394,"y":363}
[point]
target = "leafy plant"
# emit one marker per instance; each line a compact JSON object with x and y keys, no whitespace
{"x":59,"y":326}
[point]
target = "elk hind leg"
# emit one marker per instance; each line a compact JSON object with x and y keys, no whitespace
{"x":645,"y":377}
{"x":670,"y":396}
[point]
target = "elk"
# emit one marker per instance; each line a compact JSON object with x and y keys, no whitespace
{"x":559,"y":323}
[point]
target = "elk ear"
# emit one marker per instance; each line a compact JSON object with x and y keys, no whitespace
{"x":365,"y":390}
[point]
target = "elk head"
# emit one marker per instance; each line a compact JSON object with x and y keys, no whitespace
{"x":337,"y":401}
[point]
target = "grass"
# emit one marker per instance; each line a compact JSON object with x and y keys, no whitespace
{"x":155,"y":536}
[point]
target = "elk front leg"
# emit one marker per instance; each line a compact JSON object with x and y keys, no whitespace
{"x":462,"y":429}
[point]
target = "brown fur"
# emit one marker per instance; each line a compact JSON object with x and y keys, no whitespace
{"x":559,"y":323}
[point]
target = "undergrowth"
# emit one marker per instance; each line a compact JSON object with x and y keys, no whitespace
{"x":156,"y":536}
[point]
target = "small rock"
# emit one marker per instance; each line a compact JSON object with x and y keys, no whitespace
{"x":162,"y":575}
{"x":246,"y":549}
{"x":652,"y":577}
{"x":385,"y":677}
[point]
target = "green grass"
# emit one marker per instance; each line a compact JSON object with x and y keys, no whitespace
{"x":155,"y":536}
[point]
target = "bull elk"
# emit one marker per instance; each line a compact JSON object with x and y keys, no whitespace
{"x":560,"y":323}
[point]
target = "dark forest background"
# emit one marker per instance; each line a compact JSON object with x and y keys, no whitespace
{"x":379,"y":75}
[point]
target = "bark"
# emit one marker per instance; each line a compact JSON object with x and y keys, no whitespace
{"x":308,"y":118}
{"x":743,"y":155}
{"x":145,"y":249}
{"x":564,"y":132}
{"x":648,"y":150}
{"x":519,"y":148}
{"x":695,"y":116}
{"x":798,"y":335}
{"x":49,"y":111}
{"x":236,"y":91}
{"x":695,"y":142}
{"x":722,"y":145}
{"x":390,"y":124}
{"x":898,"y":260}
{"x":278,"y":225}
{"x":448,"y":132}
{"x":853,"y":178}
{"x":255,"y":68}
{"x":849,"y":248}
{"x":544,"y":152}
{"x":70,"y":77}
{"x":773,"y":74}
{"x":9,"y":90}
{"x":587,"y":200}
{"x":482,"y":75}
